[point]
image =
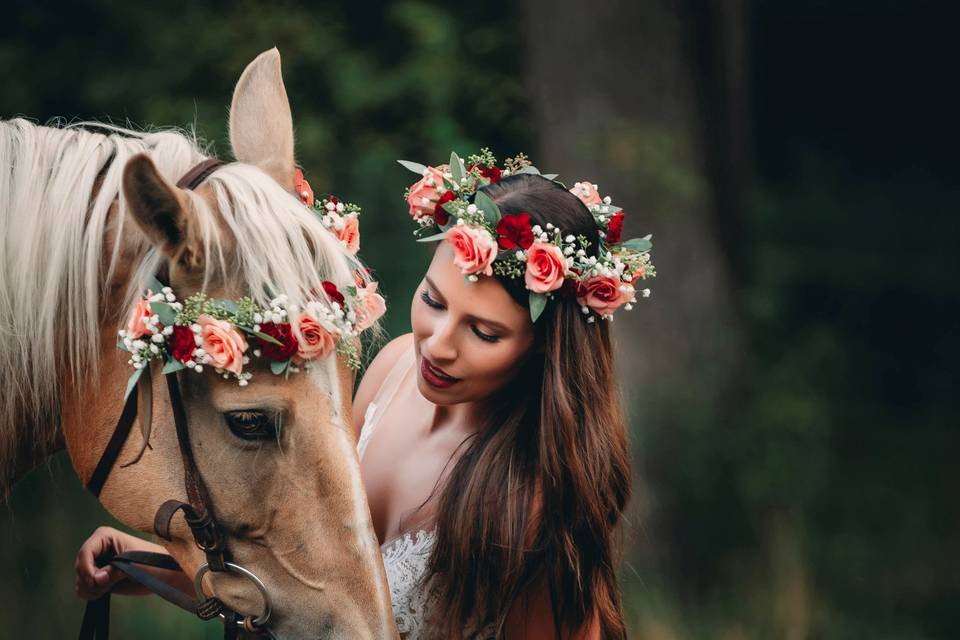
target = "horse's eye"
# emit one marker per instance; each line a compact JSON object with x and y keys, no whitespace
{"x":252,"y":424}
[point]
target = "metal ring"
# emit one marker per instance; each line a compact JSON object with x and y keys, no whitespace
{"x":259,"y":621}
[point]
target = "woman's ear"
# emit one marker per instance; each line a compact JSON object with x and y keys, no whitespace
{"x":163,"y":213}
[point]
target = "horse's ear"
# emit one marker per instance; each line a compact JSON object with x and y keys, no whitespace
{"x":261,"y":127}
{"x":162,"y":211}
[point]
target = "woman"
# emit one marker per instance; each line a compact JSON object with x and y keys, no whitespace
{"x":492,"y":445}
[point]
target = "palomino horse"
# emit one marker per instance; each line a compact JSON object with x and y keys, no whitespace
{"x":86,"y":219}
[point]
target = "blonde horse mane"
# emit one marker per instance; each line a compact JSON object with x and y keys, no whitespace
{"x":54,"y":264}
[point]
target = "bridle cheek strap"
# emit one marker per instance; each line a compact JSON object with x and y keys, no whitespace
{"x":197,"y":511}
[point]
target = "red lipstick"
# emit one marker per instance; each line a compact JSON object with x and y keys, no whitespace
{"x":435,"y":376}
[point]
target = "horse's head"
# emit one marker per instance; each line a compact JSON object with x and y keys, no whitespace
{"x":277,"y":456}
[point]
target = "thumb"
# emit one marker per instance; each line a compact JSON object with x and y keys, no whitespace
{"x":106,"y":576}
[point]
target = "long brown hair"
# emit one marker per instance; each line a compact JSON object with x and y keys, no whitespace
{"x":537,"y":496}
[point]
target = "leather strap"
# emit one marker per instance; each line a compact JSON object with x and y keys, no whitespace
{"x":109,"y":457}
{"x":200,"y":172}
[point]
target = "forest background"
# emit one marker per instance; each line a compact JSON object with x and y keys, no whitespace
{"x":790,"y":387}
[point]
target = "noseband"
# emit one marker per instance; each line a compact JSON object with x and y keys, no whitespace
{"x":197,"y":511}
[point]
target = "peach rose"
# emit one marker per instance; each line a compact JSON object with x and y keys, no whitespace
{"x":546,"y":267}
{"x":349,"y":235}
{"x":587,"y":192}
{"x":137,"y":325}
{"x":424,"y":193}
{"x":313,"y":339}
{"x":224,"y":344}
{"x":372,"y":306}
{"x":474,"y":249}
{"x":604,"y":294}
{"x":302,"y":188}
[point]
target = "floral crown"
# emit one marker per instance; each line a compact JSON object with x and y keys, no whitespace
{"x":224,"y":334}
{"x":448,"y":205}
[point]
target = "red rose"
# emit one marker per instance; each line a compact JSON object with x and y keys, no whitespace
{"x":513,"y":231}
{"x":615,"y":228}
{"x":332,"y":292}
{"x":490,"y":173}
{"x":440,"y":215}
{"x":282,"y":333}
{"x":182,"y":343}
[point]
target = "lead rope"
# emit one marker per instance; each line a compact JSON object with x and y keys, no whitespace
{"x":197,"y":512}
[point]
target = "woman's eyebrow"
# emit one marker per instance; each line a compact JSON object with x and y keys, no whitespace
{"x":435,"y":288}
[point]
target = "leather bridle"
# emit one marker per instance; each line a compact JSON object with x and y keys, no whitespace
{"x":198,"y":512}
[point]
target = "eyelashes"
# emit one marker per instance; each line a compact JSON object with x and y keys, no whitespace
{"x":433,"y":304}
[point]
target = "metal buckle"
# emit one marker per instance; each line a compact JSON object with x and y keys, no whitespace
{"x":260,"y":620}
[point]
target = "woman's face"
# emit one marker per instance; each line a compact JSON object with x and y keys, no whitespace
{"x":470,"y":337}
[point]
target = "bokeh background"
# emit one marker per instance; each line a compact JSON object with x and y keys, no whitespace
{"x":790,"y":384}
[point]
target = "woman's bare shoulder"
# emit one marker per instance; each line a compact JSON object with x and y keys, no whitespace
{"x":375,"y":375}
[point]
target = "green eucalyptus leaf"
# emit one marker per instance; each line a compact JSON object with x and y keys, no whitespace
{"x":229,"y":305}
{"x":457,"y":170}
{"x":637,"y":244}
{"x":173,"y":365}
{"x":491,"y":212}
{"x":132,"y":382}
{"x":154,"y":285}
{"x":538,"y":302}
{"x":278,"y":367}
{"x":530,"y":169}
{"x":550,"y":176}
{"x":416,"y":167}
{"x":167,"y":314}
{"x":434,"y":238}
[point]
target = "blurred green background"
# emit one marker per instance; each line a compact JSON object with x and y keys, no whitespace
{"x":790,"y":384}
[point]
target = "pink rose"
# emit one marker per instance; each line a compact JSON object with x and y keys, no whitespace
{"x":137,"y":325}
{"x":546,"y":267}
{"x":424,"y":194}
{"x":587,"y":192}
{"x":224,"y":344}
{"x":314,"y":340}
{"x":349,"y":235}
{"x":474,"y":249}
{"x":604,"y":294}
{"x":372,"y":306}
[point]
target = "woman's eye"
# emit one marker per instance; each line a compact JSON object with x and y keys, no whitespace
{"x":253,"y":425}
{"x":486,"y":337}
{"x":430,"y":302}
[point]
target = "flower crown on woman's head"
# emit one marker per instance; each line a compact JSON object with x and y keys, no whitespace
{"x":486,"y":242}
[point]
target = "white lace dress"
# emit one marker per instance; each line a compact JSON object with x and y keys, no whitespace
{"x":405,"y":557}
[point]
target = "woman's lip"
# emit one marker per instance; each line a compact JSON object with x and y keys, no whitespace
{"x":434,"y":375}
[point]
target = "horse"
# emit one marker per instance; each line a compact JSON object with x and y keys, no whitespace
{"x":88,"y":215}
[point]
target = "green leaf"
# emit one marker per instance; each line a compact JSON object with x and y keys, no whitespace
{"x":278,"y":367}
{"x":550,"y":176}
{"x":491,"y":212}
{"x":416,"y":167}
{"x":168,"y":316}
{"x":132,"y":382}
{"x":637,"y":244}
{"x":457,"y":170}
{"x":262,"y":336}
{"x":154,"y":285}
{"x":229,"y":305}
{"x":538,"y":302}
{"x":173,"y":365}
{"x":433,"y":238}
{"x":530,"y":169}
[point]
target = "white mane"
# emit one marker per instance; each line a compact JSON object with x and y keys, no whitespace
{"x":54,"y":265}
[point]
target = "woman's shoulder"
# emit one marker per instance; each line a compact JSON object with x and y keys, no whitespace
{"x":375,"y":375}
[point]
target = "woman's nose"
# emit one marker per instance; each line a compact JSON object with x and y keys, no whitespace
{"x":441,"y":346}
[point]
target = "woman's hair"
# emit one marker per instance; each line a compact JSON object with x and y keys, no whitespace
{"x":537,"y":496}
